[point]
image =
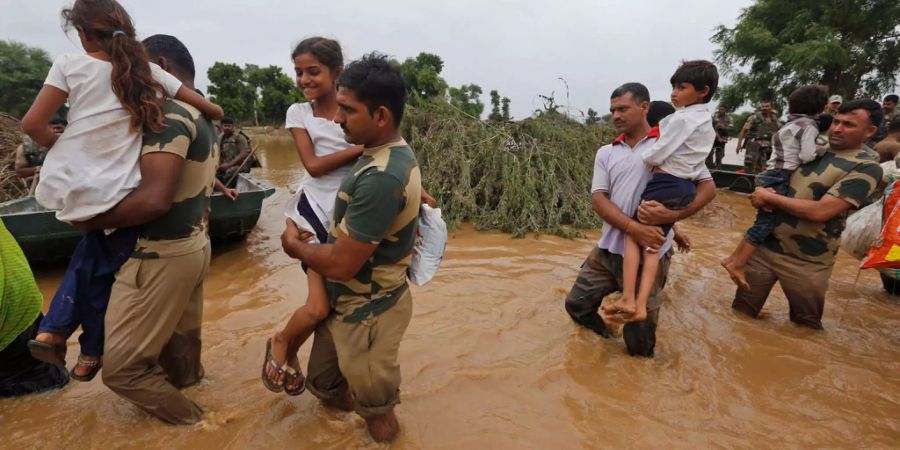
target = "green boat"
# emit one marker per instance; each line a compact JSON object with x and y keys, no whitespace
{"x":732,"y":177}
{"x":45,"y":240}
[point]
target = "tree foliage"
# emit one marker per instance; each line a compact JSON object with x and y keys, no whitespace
{"x":593,"y":118}
{"x":422,"y":76}
{"x":468,"y":99}
{"x":24,"y":70}
{"x":252,"y":93}
{"x":850,"y":46}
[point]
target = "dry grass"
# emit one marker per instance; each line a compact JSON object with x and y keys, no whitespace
{"x":11,"y":186}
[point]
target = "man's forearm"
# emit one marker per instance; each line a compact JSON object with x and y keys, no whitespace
{"x":808,"y":210}
{"x":137,"y":208}
{"x":608,"y":211}
{"x":319,"y":257}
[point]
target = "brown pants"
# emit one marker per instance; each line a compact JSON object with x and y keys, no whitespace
{"x":361,"y":356}
{"x":804,"y":284}
{"x":153,"y":334}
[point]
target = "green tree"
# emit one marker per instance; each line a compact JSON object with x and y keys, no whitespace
{"x":505,"y":109}
{"x":592,"y":117}
{"x":24,"y":70}
{"x":468,"y":99}
{"x":851,"y":46}
{"x":495,"y":115}
{"x":229,"y":88}
{"x":274,"y":90}
{"x":422,"y":76}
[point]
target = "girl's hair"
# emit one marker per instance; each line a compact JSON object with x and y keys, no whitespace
{"x":107,"y":22}
{"x":327,"y":51}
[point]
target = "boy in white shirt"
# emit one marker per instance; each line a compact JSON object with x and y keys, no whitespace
{"x":676,"y":159}
{"x":794,"y":144}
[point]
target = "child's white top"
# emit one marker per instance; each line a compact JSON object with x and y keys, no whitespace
{"x":94,"y":164}
{"x":685,"y":139}
{"x":327,"y":138}
{"x":795,"y":143}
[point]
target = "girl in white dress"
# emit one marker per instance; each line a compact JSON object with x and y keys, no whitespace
{"x":114,"y":93}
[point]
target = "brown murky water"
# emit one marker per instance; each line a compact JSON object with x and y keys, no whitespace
{"x":491,"y":360}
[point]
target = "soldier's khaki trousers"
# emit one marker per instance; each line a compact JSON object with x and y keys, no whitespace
{"x":153,"y":334}
{"x":361,"y":356}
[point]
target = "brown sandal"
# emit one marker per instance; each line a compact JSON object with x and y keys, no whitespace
{"x":269,"y":360}
{"x":294,"y":375}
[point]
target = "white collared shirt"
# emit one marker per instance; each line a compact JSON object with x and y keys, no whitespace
{"x":686,"y":137}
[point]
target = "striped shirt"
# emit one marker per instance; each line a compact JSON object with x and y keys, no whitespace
{"x":795,"y":143}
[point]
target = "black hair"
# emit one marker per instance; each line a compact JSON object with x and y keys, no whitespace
{"x":876,"y":114}
{"x":227,"y":121}
{"x":823,"y":122}
{"x":892,"y":98}
{"x":637,"y":90}
{"x":658,"y":111}
{"x":700,"y":74}
{"x":809,"y":100}
{"x":57,"y":120}
{"x":894,"y":125}
{"x":376,"y":81}
{"x":169,"y":47}
{"x":327,"y":51}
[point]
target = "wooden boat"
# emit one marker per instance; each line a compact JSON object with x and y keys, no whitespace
{"x":44,"y":239}
{"x":732,"y":177}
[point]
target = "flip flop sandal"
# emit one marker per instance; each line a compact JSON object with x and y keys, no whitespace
{"x":94,"y":365}
{"x":294,"y":376}
{"x":270,"y":361}
{"x":49,"y":353}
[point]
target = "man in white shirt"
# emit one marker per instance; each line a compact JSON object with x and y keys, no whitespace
{"x":620,"y":176}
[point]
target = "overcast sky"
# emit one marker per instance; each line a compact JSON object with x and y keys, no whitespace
{"x":519,"y":47}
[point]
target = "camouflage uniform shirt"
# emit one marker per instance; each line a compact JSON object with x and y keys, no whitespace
{"x":850,"y":175}
{"x":722,"y":125}
{"x":378,"y":203}
{"x":234,"y":145}
{"x":183,"y":229}
{"x":762,"y":128}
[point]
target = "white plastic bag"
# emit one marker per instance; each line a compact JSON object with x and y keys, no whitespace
{"x":430,"y":246}
{"x":290,"y":211}
{"x":863,"y":229}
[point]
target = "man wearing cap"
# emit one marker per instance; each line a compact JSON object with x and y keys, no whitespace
{"x":834,"y":102}
{"x":234,"y":148}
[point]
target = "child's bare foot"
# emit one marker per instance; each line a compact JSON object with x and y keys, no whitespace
{"x":86,"y":368}
{"x":624,"y":305}
{"x":51,"y":338}
{"x":639,"y":315}
{"x":736,"y":273}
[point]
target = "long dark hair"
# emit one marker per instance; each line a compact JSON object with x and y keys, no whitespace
{"x":327,"y":51}
{"x":107,"y":22}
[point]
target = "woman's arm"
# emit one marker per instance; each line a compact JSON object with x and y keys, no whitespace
{"x":208,"y":108}
{"x":36,"y":122}
{"x":321,"y":165}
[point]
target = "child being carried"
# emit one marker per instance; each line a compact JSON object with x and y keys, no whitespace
{"x":794,"y":144}
{"x":677,"y":159}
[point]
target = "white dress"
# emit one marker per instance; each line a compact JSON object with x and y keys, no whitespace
{"x":95,"y":163}
{"x":327,"y":138}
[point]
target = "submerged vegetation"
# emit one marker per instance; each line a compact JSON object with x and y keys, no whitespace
{"x":531,"y":176}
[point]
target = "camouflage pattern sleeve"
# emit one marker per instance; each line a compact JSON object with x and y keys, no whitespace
{"x":376,"y":200}
{"x":176,"y":137}
{"x":859,"y":184}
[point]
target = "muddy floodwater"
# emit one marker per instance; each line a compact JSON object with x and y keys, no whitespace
{"x":491,"y":360}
